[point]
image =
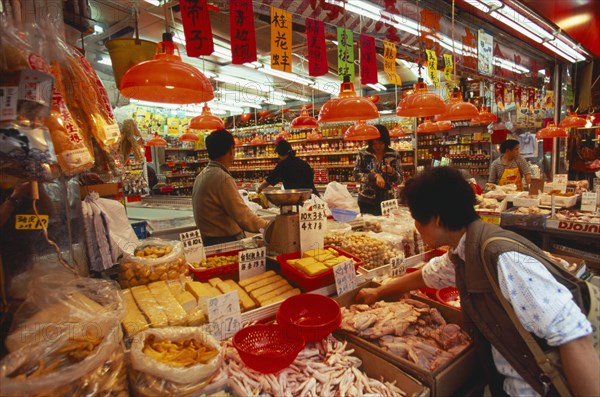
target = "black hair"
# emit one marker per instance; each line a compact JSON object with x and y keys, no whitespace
{"x":384,"y":136}
{"x":218,"y":143}
{"x":443,"y":192}
{"x":283,"y":148}
{"x":508,"y":144}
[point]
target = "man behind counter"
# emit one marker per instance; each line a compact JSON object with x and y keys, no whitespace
{"x":510,"y":167}
{"x":219,"y":210}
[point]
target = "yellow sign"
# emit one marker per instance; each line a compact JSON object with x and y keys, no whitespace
{"x":173,"y":126}
{"x":432,"y":67}
{"x":448,"y":68}
{"x":345,"y":53}
{"x":30,"y":222}
{"x":281,"y":40}
{"x":493,"y":219}
{"x":389,"y":62}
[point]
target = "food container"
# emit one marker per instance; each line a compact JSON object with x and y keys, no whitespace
{"x":559,"y":201}
{"x":524,"y":199}
{"x":448,"y":295}
{"x":223,"y":272}
{"x":315,"y":316}
{"x":342,"y":215}
{"x":531,"y":221}
{"x":306,"y":282}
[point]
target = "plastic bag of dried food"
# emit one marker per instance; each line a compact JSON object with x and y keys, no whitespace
{"x":177,"y":361}
{"x":132,"y":142}
{"x":370,"y":250}
{"x":81,"y":362}
{"x":155,"y":259}
{"x":59,"y":302}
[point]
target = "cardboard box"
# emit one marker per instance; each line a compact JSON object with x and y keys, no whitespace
{"x":511,"y":218}
{"x":103,"y":190}
{"x":444,"y":381}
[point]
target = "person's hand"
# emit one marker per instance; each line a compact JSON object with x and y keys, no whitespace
{"x":367,"y":296}
{"x":379,"y":181}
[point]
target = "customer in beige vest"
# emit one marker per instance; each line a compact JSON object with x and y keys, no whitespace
{"x":219,"y":210}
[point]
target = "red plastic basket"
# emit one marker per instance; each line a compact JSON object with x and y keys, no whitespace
{"x":316,"y":316}
{"x":224,"y":272}
{"x":268,"y":348}
{"x":446,"y":295}
{"x":310,"y":283}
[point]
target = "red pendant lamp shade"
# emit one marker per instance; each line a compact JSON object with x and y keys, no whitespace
{"x":314,"y":135}
{"x":304,"y":121}
{"x":156,"y":140}
{"x":397,"y":132}
{"x":429,"y":126}
{"x":484,"y":117}
{"x":572,"y":121}
{"x":188,"y":137}
{"x":206,"y":121}
{"x":348,"y":106}
{"x":420,"y":103}
{"x":458,"y":109}
{"x":551,"y":131}
{"x":361,"y":131}
{"x":166,"y":78}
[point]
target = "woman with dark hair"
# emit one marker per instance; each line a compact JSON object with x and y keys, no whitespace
{"x":510,"y":167}
{"x":378,"y":168}
{"x":295,"y":173}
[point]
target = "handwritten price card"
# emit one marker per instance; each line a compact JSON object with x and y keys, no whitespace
{"x":560,"y":182}
{"x":397,"y":266}
{"x":252,"y":262}
{"x":388,"y":206}
{"x":30,"y":222}
{"x":193,"y":248}
{"x":224,"y":315}
{"x":345,"y":277}
{"x":312,"y":227}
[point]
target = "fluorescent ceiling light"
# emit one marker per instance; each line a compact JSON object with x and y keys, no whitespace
{"x":373,"y":86}
{"x":287,"y":76}
{"x":155,"y":3}
{"x":291,"y":95}
{"x":105,"y":61}
{"x":155,"y":104}
{"x":568,"y":50}
{"x":386,"y":111}
{"x":255,"y":65}
{"x":515,"y":26}
{"x":478,"y":5}
{"x":237,"y":81}
{"x":224,"y":106}
{"x":559,"y":52}
{"x":508,"y":65}
{"x":98,"y":29}
{"x":274,"y":101}
{"x":525,"y":22}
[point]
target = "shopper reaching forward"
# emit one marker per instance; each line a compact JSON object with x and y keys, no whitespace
{"x":441,"y":202}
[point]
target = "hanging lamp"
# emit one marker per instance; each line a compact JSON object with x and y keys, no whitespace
{"x":361,"y":131}
{"x":397,"y":132}
{"x":421,"y":102}
{"x":348,"y":106}
{"x":188,"y":137}
{"x":429,"y":126}
{"x":283,"y":134}
{"x":458,"y":109}
{"x":156,"y":140}
{"x":206,"y":121}
{"x":484,"y":117}
{"x":551,"y":131}
{"x":314,"y":135}
{"x":572,"y":121}
{"x":304,"y":121}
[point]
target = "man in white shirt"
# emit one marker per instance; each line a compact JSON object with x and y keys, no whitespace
{"x":441,"y":202}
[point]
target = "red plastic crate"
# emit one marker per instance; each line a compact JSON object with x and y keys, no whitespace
{"x":311,"y":283}
{"x":223,"y":272}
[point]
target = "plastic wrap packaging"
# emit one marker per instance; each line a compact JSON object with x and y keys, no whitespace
{"x":373,"y":223}
{"x":153,"y":260}
{"x":132,"y":142}
{"x":370,"y":250}
{"x":153,"y":374}
{"x":67,"y":364}
{"x":394,"y":245}
{"x":60,"y":303}
{"x":336,"y":232}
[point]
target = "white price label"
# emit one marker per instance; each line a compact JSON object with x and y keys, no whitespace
{"x":560,"y":182}
{"x":345,"y":277}
{"x":588,"y":201}
{"x":224,"y":315}
{"x":252,"y":262}
{"x":193,"y":248}
{"x":112,"y":132}
{"x":388,"y":206}
{"x":8,"y":103}
{"x":312,"y":229}
{"x":397,"y":266}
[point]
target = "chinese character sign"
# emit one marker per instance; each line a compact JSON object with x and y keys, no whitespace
{"x":252,"y":262}
{"x":317,"y":52}
{"x":196,"y":27}
{"x":241,"y":25}
{"x":345,"y":53}
{"x":281,"y":40}
{"x":499,"y":89}
{"x":30,"y":222}
{"x":448,"y":67}
{"x":432,"y":71}
{"x":368,"y":60}
{"x":485,"y":55}
{"x":312,"y":228}
{"x":388,"y":206}
{"x":193,"y":248}
{"x":389,"y":62}
{"x":224,"y":315}
{"x":345,"y":277}
{"x":469,"y":43}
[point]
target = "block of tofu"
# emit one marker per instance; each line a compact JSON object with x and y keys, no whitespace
{"x":243,"y":283}
{"x":214,"y":281}
{"x":314,"y":252}
{"x":293,"y":262}
{"x":281,"y":297}
{"x":224,"y":287}
{"x":245,"y":301}
{"x":196,"y":317}
{"x":175,"y":286}
{"x":201,"y":290}
{"x":134,"y":321}
{"x":262,"y":283}
{"x":187,"y":301}
{"x":170,"y":306}
{"x":149,"y":306}
{"x":336,"y":261}
{"x":323,"y":257}
{"x":267,"y":288}
{"x":302,"y":263}
{"x":314,"y":269}
{"x":278,"y":291}
{"x":333,"y":251}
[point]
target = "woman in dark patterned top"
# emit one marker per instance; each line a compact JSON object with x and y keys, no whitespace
{"x":378,"y":169}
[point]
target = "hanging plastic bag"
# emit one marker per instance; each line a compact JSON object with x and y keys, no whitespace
{"x":337,"y":196}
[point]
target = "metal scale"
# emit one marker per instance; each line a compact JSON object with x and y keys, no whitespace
{"x":283,"y":234}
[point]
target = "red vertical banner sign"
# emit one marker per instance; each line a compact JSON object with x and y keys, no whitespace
{"x":368,"y":60}
{"x":281,"y":40}
{"x":196,"y":28}
{"x":531,"y":98}
{"x":499,"y":89}
{"x":317,"y":52}
{"x":241,"y":25}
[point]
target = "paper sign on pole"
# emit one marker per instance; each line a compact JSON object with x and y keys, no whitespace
{"x":252,"y":262}
{"x":448,"y":67}
{"x":312,"y":227}
{"x":588,"y":201}
{"x":388,"y":206}
{"x":560,"y":182}
{"x":389,"y":62}
{"x":224,"y":315}
{"x":432,"y":71}
{"x":345,"y":53}
{"x":193,"y":248}
{"x":397,"y":266}
{"x":345,"y":277}
{"x":281,"y":40}
{"x":485,"y":52}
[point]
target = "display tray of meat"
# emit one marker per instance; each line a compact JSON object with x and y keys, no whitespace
{"x":424,"y":339}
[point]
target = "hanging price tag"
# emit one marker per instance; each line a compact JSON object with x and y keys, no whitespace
{"x":345,"y":277}
{"x":224,"y":315}
{"x":560,"y":182}
{"x":252,"y":262}
{"x":112,"y":132}
{"x":30,"y":222}
{"x":8,"y":103}
{"x":312,"y":228}
{"x":388,"y":206}
{"x":588,"y":201}
{"x":193,"y":248}
{"x":397,"y":266}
